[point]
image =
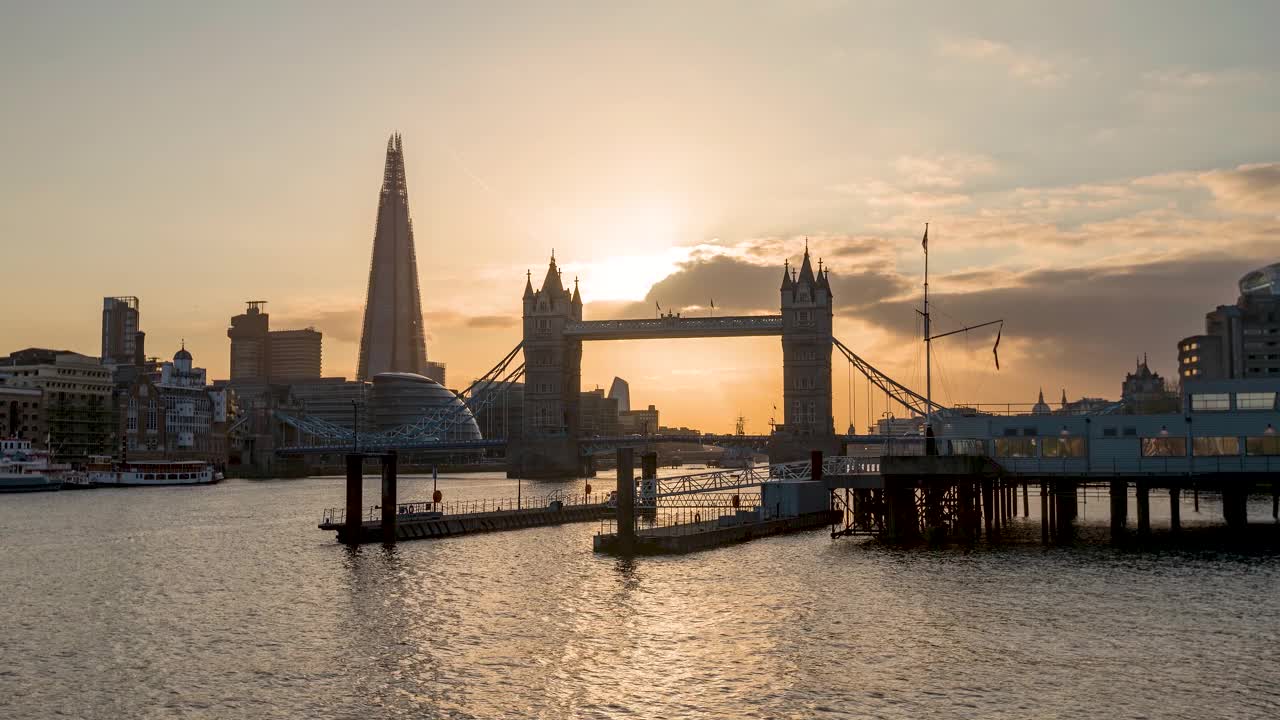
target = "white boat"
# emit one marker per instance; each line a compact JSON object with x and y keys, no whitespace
{"x":23,"y":469}
{"x":152,"y":472}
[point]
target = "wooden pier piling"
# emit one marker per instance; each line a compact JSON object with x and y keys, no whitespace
{"x":1144,"y":508}
{"x":1175,"y":509}
{"x":1119,"y":508}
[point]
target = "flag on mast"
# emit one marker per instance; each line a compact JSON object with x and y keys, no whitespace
{"x":995,"y":349}
{"x":925,"y":242}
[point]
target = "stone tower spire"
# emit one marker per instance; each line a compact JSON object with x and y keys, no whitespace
{"x":393,"y":338}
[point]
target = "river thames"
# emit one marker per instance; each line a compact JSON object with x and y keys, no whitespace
{"x":227,"y":602}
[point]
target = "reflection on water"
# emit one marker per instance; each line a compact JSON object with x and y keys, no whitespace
{"x":226,"y":601}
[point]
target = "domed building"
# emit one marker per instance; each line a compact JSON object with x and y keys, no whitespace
{"x":400,"y":398}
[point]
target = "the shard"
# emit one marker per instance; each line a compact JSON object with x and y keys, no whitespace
{"x":393,"y":339}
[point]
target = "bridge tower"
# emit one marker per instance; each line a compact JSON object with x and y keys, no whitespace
{"x":806,"y":364}
{"x":548,"y":446}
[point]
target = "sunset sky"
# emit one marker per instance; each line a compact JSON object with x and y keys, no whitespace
{"x":1098,"y":174}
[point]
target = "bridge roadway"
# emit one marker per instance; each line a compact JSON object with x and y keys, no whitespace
{"x":674,"y":326}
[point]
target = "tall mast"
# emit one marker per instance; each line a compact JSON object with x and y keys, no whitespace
{"x":928,"y":335}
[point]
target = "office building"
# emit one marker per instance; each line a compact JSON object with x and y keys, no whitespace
{"x":294,"y":354}
{"x":499,"y":409}
{"x":335,"y":400}
{"x":74,"y":418}
{"x":122,"y":340}
{"x":638,"y":422}
{"x":250,"y":350}
{"x":393,"y":338}
{"x":398,"y":399}
{"x":1241,"y":340}
{"x":168,"y":412}
{"x":620,"y":392}
{"x":19,"y":412}
{"x":598,"y":415}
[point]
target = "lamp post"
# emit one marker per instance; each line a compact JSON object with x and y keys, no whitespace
{"x":355,"y":426}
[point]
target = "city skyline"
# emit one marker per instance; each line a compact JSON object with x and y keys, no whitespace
{"x":1101,"y":213}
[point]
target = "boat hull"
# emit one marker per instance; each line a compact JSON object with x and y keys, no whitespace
{"x":27,"y":483}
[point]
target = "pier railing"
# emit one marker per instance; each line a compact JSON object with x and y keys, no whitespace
{"x":409,"y":510}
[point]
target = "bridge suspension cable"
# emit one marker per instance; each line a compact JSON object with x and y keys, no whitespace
{"x":903,"y":395}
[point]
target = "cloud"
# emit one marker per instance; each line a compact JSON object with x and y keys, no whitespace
{"x":740,"y":286}
{"x":922,"y":181}
{"x":1186,"y":79}
{"x":942,"y":171}
{"x":492,"y":321}
{"x":1247,"y":188}
{"x":1020,"y":65}
{"x":341,"y":324}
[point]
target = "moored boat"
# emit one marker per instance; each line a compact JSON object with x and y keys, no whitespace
{"x":143,"y":473}
{"x":23,"y":469}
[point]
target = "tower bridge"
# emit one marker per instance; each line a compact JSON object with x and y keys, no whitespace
{"x":554,"y":331}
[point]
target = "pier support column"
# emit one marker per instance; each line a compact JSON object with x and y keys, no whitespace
{"x":1119,"y":508}
{"x":355,"y":493}
{"x":1175,"y":509}
{"x":1144,"y":508}
{"x":988,"y":509}
{"x":626,"y":501}
{"x":1235,"y":507}
{"x":1055,"y":531}
{"x":1070,"y":502}
{"x":389,"y":505}
{"x":1044,"y":513}
{"x":1026,"y":507}
{"x":902,"y":523}
{"x":966,"y":516}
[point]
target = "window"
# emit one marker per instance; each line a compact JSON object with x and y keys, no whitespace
{"x":1210,"y":402}
{"x":1164,"y":447}
{"x":1255,"y":401}
{"x":1063,"y":447}
{"x":1108,"y":432}
{"x":1265,"y":445}
{"x":1015,"y":447}
{"x":1029,"y":431}
{"x":1215,"y":446}
{"x":804,"y":317}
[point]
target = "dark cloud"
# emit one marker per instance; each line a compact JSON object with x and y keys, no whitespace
{"x":1091,"y":320}
{"x":740,"y":286}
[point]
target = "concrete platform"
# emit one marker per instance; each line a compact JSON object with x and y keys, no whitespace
{"x":692,"y":537}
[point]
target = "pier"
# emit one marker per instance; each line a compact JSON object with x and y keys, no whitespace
{"x":392,"y":521}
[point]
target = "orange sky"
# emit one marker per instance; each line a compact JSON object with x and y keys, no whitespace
{"x":1101,"y":191}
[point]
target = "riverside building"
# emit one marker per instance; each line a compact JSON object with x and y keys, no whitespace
{"x":1241,"y":340}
